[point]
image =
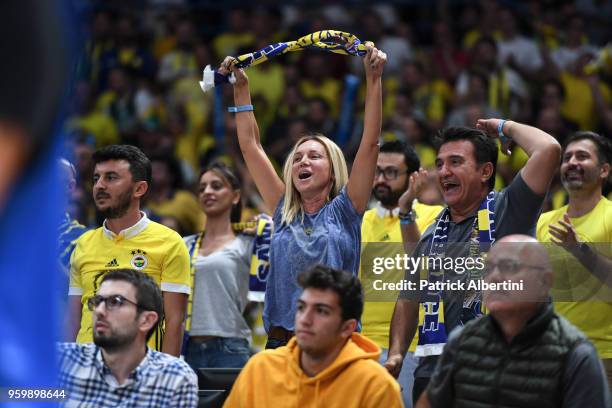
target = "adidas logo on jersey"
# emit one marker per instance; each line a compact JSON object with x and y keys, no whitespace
{"x":385,"y":237}
{"x":112,"y":263}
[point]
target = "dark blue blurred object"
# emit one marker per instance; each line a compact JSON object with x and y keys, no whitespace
{"x":34,"y":49}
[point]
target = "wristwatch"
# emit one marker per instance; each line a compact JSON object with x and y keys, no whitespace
{"x":407,"y":218}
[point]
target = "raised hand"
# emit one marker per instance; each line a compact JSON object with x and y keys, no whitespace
{"x":489,"y":126}
{"x":374,"y":62}
{"x":415,"y":184}
{"x":226,"y":67}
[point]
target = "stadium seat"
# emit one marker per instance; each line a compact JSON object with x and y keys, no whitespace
{"x":215,"y":385}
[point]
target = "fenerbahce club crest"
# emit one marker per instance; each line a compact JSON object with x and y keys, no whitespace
{"x":139,"y":260}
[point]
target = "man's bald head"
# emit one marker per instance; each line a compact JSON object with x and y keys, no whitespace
{"x":517,"y":259}
{"x":525,"y":248}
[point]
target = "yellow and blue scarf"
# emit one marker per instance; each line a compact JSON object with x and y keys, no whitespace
{"x":432,"y":328}
{"x":335,"y":41}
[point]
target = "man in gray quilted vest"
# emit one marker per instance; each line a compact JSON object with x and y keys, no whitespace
{"x":521,"y":354}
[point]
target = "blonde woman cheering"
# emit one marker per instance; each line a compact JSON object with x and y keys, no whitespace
{"x":318,"y":206}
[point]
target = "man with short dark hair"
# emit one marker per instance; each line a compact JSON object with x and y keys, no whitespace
{"x":521,"y":354}
{"x":119,"y":369}
{"x":326,"y":362}
{"x":397,"y":183}
{"x":474,"y":218}
{"x":584,"y":228}
{"x":128,"y":238}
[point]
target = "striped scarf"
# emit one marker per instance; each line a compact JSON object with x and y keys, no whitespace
{"x":335,"y":41}
{"x":432,"y":328}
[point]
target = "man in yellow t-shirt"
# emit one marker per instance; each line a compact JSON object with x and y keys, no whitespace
{"x":585,"y":167}
{"x":396,"y":162}
{"x":580,"y":104}
{"x":128,"y":239}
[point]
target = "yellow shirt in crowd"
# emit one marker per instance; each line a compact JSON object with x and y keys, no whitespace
{"x":184,"y":207}
{"x":579,"y":104}
{"x":146,"y":246}
{"x":380,"y":225}
{"x":594,"y":318}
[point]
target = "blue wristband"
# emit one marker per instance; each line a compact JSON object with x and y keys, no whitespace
{"x":500,"y":132}
{"x":241,"y":108}
{"x":407,"y":218}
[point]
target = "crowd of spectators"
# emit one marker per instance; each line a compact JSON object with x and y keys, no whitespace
{"x":450,"y":62}
{"x":547,"y":64}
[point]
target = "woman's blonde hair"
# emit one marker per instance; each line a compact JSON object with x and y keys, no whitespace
{"x":292,"y":205}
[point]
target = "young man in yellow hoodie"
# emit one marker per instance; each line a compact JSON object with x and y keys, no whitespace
{"x":327,"y":363}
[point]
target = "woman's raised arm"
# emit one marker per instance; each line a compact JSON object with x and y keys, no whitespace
{"x":360,"y":181}
{"x":269,"y":184}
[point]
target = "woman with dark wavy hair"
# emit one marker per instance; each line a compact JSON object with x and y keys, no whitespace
{"x":220,"y":264}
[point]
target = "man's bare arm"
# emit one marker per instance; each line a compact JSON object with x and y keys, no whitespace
{"x":543,"y":150}
{"x":175,"y":306}
{"x":403,"y":327}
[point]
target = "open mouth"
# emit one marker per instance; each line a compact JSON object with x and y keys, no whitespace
{"x":304,"y":174}
{"x":573,"y":174}
{"x":450,"y":187}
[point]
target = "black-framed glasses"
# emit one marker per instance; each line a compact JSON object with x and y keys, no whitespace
{"x":508,"y":267}
{"x":112,"y":302}
{"x":389,"y":173}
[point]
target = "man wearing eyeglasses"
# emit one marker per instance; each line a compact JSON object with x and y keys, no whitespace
{"x":396,"y":186}
{"x":522,"y":354}
{"x":118,"y":369}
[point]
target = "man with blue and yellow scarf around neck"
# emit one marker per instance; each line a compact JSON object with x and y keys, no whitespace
{"x":474,"y":217}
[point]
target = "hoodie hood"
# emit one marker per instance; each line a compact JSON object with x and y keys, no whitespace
{"x":356,"y":348}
